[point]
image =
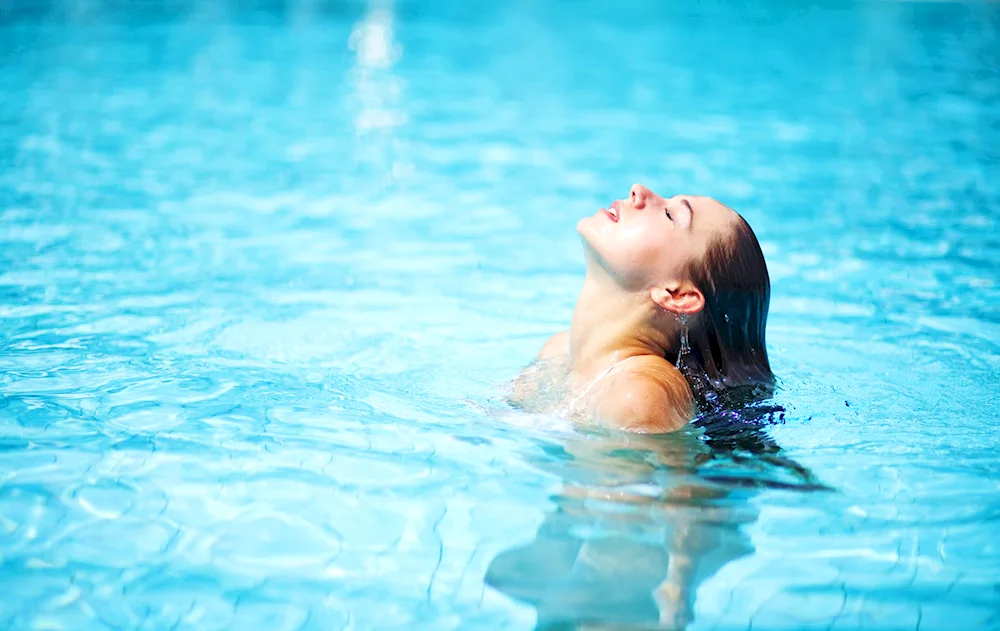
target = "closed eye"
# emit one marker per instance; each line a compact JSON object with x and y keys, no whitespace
{"x":690,"y":213}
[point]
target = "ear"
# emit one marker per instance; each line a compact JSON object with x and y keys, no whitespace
{"x":682,"y":298}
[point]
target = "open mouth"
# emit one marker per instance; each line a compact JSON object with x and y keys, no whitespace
{"x":612,"y":212}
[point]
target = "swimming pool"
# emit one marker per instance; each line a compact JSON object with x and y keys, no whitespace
{"x":263,"y":269}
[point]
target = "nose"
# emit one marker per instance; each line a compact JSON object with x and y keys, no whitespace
{"x":640,"y":194}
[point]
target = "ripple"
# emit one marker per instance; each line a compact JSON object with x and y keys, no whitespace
{"x":248,"y":331}
{"x":106,"y":499}
{"x":275,"y":544}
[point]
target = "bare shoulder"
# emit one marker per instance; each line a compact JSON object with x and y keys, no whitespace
{"x":649,"y":396}
{"x":547,"y":368}
{"x":556,"y":346}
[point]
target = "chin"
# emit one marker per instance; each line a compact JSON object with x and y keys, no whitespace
{"x":591,"y":239}
{"x":591,"y":226}
{"x":588,"y":231}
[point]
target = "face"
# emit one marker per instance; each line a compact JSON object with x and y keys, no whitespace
{"x":645,"y":240}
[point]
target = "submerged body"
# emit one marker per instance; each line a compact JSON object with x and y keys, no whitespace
{"x":621,"y":391}
{"x":655,"y":267}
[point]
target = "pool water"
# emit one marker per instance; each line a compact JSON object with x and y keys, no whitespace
{"x":264,"y":268}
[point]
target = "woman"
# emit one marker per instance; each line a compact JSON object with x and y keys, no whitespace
{"x":671,"y":314}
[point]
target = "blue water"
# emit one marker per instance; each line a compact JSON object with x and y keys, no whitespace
{"x":264,"y":266}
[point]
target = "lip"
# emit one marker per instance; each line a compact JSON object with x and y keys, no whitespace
{"x":609,"y":215}
{"x":615,"y":211}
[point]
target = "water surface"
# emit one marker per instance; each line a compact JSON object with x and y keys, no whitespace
{"x":263,"y":267}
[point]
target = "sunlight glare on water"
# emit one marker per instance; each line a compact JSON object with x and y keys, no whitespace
{"x":265,"y":266}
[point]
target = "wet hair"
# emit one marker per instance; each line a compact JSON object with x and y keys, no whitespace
{"x":727,"y":357}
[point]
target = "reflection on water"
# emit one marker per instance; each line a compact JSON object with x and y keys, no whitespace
{"x":377,"y":91}
{"x":640,"y":522}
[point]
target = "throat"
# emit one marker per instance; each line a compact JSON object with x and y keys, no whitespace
{"x":608,"y":327}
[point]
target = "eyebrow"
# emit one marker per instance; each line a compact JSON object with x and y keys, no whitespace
{"x":691,"y":210}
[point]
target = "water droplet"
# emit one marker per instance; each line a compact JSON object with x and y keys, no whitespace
{"x":685,"y":349}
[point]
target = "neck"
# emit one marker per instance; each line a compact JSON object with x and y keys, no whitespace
{"x":610,"y":325}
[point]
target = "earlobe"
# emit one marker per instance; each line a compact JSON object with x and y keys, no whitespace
{"x":684,"y":299}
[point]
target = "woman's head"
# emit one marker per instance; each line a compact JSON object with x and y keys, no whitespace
{"x":694,"y":258}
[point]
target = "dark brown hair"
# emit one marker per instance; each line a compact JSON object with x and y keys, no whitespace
{"x":726,"y":340}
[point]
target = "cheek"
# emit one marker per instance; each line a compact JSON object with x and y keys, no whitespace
{"x":638,"y":255}
{"x":651,"y":259}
